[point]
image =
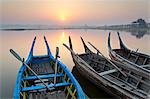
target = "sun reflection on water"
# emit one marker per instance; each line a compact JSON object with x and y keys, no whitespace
{"x":63,"y":34}
{"x":63,"y":38}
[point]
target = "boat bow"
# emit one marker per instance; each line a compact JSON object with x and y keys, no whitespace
{"x":47,"y":46}
{"x":109,"y":46}
{"x":87,"y":50}
{"x":31,"y":50}
{"x":122,"y":46}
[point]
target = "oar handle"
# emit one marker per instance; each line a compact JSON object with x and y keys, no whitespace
{"x":57,"y":53}
{"x":16,"y":55}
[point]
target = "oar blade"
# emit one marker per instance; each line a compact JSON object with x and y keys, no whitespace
{"x":16,"y":55}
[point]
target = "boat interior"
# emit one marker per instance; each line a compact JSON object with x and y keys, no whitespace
{"x":134,"y":57}
{"x":33,"y":88}
{"x":133,"y":82}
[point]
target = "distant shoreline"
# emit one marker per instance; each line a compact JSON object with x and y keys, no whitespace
{"x":126,"y":27}
{"x":90,"y":28}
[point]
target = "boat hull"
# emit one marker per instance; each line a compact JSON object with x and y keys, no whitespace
{"x":100,"y":82}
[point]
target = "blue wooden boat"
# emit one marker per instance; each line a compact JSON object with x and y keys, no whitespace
{"x":44,"y":77}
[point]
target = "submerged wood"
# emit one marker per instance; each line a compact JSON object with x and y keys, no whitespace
{"x":127,"y":56}
{"x":42,"y":81}
{"x":101,"y":72}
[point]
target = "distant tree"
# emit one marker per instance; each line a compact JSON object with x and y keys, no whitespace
{"x":140,"y":23}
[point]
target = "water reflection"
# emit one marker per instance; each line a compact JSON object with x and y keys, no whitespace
{"x":63,"y":38}
{"x":21,"y":41}
{"x":63,"y":34}
{"x":139,"y":33}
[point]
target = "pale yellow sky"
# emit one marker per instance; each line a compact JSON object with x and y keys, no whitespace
{"x":95,"y":12}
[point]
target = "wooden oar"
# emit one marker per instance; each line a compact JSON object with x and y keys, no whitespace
{"x":57,"y":56}
{"x":69,"y":49}
{"x":21,"y":60}
{"x":108,"y":60}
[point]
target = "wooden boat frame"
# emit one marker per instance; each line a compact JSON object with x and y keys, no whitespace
{"x":21,"y":90}
{"x":127,"y":56}
{"x":126,"y":90}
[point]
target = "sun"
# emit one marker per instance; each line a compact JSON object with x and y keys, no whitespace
{"x":62,"y":18}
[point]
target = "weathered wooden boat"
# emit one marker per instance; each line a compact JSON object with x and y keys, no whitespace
{"x":127,"y":56}
{"x":45,"y":77}
{"x":120,"y":80}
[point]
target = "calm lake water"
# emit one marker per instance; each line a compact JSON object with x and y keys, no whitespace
{"x":21,"y":42}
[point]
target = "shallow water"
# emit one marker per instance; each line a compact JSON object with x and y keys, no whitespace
{"x":21,"y":42}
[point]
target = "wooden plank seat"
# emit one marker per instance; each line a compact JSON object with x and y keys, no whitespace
{"x":107,"y":72}
{"x":43,"y":87}
{"x":43,"y":76}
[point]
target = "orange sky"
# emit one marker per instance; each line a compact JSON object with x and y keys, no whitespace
{"x":74,"y":11}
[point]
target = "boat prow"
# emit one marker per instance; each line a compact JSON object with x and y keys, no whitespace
{"x":87,"y":50}
{"x":122,"y":45}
